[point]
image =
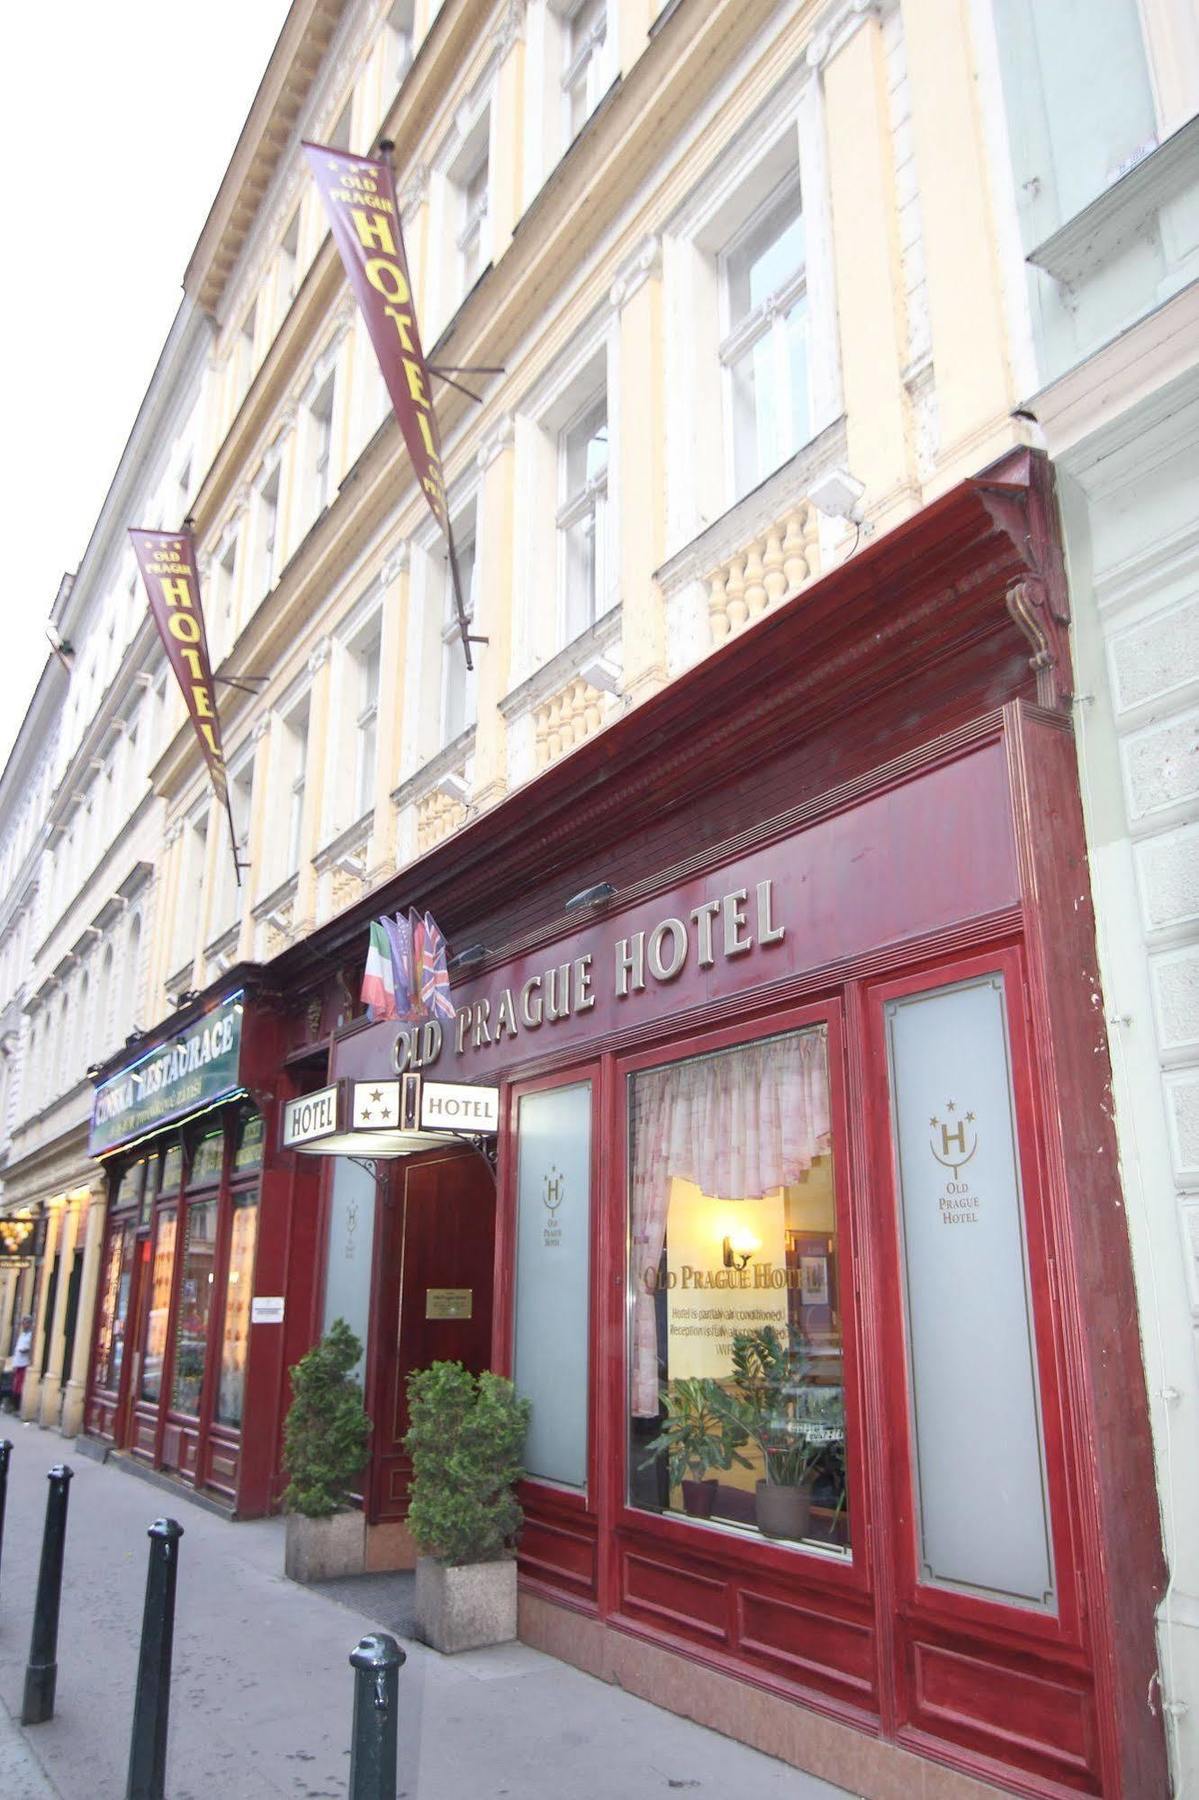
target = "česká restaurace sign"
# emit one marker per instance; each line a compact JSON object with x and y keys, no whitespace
{"x":192,"y":1069}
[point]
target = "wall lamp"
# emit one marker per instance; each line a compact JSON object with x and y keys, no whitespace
{"x":468,"y":958}
{"x":737,"y":1250}
{"x":599,"y":895}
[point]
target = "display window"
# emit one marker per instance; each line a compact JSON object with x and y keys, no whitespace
{"x":158,"y":1311}
{"x":194,"y":1310}
{"x":239,"y":1290}
{"x":113,"y":1306}
{"x":736,"y":1378}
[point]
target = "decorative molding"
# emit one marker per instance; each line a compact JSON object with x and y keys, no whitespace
{"x":261,"y":728}
{"x":501,"y":439}
{"x":645,"y":264}
{"x":1019,"y":503}
{"x":412,"y":195}
{"x":395,"y":564}
{"x":511,"y":28}
{"x":318,"y":656}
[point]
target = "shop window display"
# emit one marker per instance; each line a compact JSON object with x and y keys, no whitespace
{"x":114,"y":1308}
{"x":160,"y":1305}
{"x":736,"y":1386}
{"x":206,"y":1162}
{"x":239,"y":1291}
{"x":195,"y":1306}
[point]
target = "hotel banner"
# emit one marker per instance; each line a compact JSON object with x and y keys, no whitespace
{"x":167,"y":560}
{"x":360,"y":199}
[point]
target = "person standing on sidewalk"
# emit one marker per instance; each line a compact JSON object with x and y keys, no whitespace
{"x":22,"y":1356}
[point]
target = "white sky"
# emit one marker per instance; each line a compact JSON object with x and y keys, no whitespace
{"x":119,"y":118}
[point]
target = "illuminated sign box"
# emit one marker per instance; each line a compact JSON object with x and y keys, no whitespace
{"x":388,"y":1117}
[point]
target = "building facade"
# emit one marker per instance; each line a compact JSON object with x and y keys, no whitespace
{"x":822,"y":604}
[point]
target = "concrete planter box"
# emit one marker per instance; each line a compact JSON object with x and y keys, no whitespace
{"x":322,"y":1549}
{"x":466,"y":1607}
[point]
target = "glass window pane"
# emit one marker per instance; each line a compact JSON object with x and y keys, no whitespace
{"x":736,"y":1384}
{"x":553,"y":1264}
{"x":351,"y":1246}
{"x":129,"y":1191}
{"x":580,"y":576}
{"x":172,"y":1169}
{"x":250,"y":1133}
{"x":768,"y":258}
{"x":195,"y":1306}
{"x":755,"y":414}
{"x":795,"y":342}
{"x":160,"y":1305}
{"x":239,"y":1291}
{"x":206,"y":1162}
{"x":114,"y":1308}
{"x":982,"y":1508}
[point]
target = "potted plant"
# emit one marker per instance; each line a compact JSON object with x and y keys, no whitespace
{"x":465,"y":1438}
{"x":697,"y":1436}
{"x":773,"y":1400}
{"x":324,"y":1447}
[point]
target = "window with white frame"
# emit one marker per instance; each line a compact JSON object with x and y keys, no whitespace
{"x":131,"y":976}
{"x":582,"y":517}
{"x":224,"y":572}
{"x":366,"y":664}
{"x":289,"y":263}
{"x":241,"y":799}
{"x":764,"y":350}
{"x":292,"y":771}
{"x":267,"y":532}
{"x":467,"y":194}
{"x":339,"y":137}
{"x":320,"y":443}
{"x":398,"y":47}
{"x":191,"y":882}
{"x":585,"y":63}
{"x":458,"y":683}
{"x":245,"y":352}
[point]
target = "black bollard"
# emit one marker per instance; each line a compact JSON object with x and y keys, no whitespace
{"x":41,"y":1676}
{"x":151,"y":1708}
{"x":376,"y":1662}
{"x":5,"y":1453}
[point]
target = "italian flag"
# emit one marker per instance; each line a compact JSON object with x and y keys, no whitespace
{"x":378,"y":981}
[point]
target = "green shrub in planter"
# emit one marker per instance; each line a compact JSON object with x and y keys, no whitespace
{"x":326,"y":1431}
{"x":465,"y":1441}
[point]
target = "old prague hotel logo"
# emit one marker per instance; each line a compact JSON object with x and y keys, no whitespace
{"x":953,"y":1142}
{"x":552,"y":1196}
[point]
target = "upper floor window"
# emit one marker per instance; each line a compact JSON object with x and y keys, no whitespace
{"x":764,"y":350}
{"x":366,"y":737}
{"x":339,"y":137}
{"x":585,"y":63}
{"x":467,"y":233}
{"x":268,"y":532}
{"x":472,"y":216}
{"x":245,"y":351}
{"x":398,"y":47}
{"x":289,"y":263}
{"x":224,"y":570}
{"x":582,"y":517}
{"x":292,"y":770}
{"x":320,"y":444}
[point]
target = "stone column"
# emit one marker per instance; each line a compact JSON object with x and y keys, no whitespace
{"x":30,"y":1394}
{"x":381,"y":850}
{"x":640,"y":468}
{"x":497,"y":517}
{"x":871,"y":315}
{"x":75,"y":1391}
{"x":505,"y":172}
{"x":50,"y":1395}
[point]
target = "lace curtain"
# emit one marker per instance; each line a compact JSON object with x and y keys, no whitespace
{"x":738,"y":1125}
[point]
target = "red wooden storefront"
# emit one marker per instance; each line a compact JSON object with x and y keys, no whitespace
{"x":209,"y":1265}
{"x":839,"y":865}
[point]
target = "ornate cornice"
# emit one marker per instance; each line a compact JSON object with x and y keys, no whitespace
{"x":645,"y":264}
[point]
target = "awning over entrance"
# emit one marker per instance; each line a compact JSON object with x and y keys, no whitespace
{"x":396,"y":1116}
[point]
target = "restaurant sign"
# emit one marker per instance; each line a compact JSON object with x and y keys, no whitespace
{"x":196,"y":1067}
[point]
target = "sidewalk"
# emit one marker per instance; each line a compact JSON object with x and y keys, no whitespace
{"x":261,"y":1696}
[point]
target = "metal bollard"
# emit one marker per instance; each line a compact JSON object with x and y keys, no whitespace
{"x":152,"y":1705}
{"x":41,"y":1676}
{"x":376,"y":1662}
{"x":5,"y":1453}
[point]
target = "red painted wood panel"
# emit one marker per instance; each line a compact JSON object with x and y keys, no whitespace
{"x":808,"y":1644}
{"x":679,"y":1599}
{"x":1037,"y":1721}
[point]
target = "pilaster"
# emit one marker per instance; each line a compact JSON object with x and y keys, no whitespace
{"x":75,"y":1390}
{"x":866,"y":260}
{"x":641,"y":471}
{"x":390,"y":717}
{"x":497,"y":521}
{"x":50,"y":1393}
{"x":966,"y":311}
{"x":31,"y":1392}
{"x":256,"y":845}
{"x":506,"y":173}
{"x":216,"y":841}
{"x":314,"y":785}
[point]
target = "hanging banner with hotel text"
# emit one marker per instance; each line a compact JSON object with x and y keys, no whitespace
{"x":167,"y":560}
{"x":360,"y":199}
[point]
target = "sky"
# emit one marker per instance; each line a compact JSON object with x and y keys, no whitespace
{"x":117,"y":125}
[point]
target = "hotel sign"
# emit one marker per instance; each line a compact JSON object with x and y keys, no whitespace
{"x":193,"y":1069}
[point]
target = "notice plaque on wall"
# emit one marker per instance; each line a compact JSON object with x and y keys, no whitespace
{"x":448,"y":1303}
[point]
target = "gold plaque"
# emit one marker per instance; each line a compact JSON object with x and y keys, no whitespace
{"x":448,"y":1303}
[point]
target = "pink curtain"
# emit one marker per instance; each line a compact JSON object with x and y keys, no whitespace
{"x":737,"y":1124}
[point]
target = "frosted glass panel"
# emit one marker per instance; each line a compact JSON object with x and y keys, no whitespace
{"x":553,"y":1261}
{"x":351,"y":1240}
{"x":981,"y":1508}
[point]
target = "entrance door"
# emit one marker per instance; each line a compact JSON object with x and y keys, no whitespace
{"x":433,"y":1299}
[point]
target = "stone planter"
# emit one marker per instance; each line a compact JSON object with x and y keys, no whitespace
{"x":783,"y":1512}
{"x":465,"y":1607}
{"x":323,"y":1549}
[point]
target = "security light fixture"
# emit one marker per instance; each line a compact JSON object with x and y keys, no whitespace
{"x":468,"y":958}
{"x":596,"y":896}
{"x":838,"y":495}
